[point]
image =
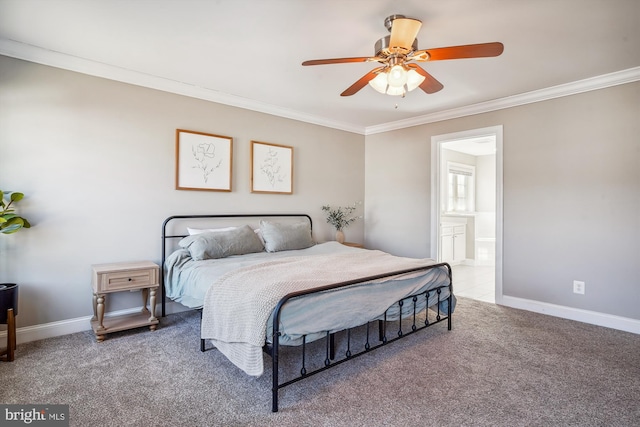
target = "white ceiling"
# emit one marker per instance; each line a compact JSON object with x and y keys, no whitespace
{"x":248,"y":53}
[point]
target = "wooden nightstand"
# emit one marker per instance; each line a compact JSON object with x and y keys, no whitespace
{"x":354,"y":245}
{"x":124,"y":276}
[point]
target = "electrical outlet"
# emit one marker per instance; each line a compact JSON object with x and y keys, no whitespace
{"x":578,"y":287}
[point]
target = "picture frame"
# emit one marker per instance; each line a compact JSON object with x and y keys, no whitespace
{"x":271,"y":168}
{"x":204,"y":161}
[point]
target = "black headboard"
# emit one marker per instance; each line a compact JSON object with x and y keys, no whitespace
{"x":185,"y":219}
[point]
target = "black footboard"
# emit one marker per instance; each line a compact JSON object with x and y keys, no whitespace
{"x":414,"y":319}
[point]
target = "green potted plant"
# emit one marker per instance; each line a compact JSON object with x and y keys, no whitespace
{"x":10,"y":222}
{"x":340,"y":218}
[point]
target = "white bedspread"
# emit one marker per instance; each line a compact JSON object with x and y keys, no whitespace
{"x":238,"y":306}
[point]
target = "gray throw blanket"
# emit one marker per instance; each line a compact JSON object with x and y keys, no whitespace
{"x":238,"y":306}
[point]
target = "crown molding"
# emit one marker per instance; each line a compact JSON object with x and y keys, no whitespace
{"x":573,"y":88}
{"x":52,"y":58}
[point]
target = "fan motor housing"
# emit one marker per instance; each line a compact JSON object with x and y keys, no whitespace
{"x":388,"y":21}
{"x":382,"y":46}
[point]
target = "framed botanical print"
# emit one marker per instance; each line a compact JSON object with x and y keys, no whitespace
{"x":271,"y":168}
{"x":203,"y":161}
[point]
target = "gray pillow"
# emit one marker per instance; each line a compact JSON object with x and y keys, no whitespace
{"x":221,"y":244}
{"x":286,"y":237}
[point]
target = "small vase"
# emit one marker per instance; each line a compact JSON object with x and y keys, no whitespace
{"x":340,"y":236}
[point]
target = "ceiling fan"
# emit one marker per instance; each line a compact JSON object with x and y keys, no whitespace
{"x":397,"y":51}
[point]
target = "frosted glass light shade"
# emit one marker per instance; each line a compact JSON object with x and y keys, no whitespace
{"x":414,"y":80}
{"x":397,"y":76}
{"x":409,"y":81}
{"x":379,"y":82}
{"x":395,"y":90}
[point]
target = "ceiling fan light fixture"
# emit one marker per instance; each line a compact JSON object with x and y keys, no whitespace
{"x":395,"y":52}
{"x":397,"y":76}
{"x":381,"y":82}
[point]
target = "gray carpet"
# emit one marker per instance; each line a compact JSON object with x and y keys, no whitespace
{"x":497,"y":367}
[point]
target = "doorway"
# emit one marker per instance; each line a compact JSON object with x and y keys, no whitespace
{"x":466,"y":200}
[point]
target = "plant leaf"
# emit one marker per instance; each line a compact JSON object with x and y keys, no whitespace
{"x":9,"y":221}
{"x":12,"y":225}
{"x":15,"y":197}
{"x":10,"y":229}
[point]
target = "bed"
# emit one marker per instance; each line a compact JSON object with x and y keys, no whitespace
{"x":263,"y":284}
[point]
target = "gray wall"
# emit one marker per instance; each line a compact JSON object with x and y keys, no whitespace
{"x":571,"y":196}
{"x":397,"y":193}
{"x":96,"y":161}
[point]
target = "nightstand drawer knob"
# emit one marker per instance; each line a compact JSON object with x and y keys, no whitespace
{"x":130,"y":279}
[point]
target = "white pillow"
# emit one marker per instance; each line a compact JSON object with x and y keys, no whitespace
{"x":193,"y":231}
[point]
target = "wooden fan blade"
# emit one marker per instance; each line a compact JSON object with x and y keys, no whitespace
{"x":362,"y":82}
{"x":482,"y":50}
{"x":403,"y":33}
{"x":430,"y":84}
{"x":338,"y":60}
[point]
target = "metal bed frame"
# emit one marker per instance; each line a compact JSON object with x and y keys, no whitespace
{"x":331,"y":360}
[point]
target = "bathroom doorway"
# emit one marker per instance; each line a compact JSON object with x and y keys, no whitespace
{"x":467,"y":210}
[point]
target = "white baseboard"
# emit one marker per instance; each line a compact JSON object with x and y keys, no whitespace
{"x":592,"y":317}
{"x":71,"y":326}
